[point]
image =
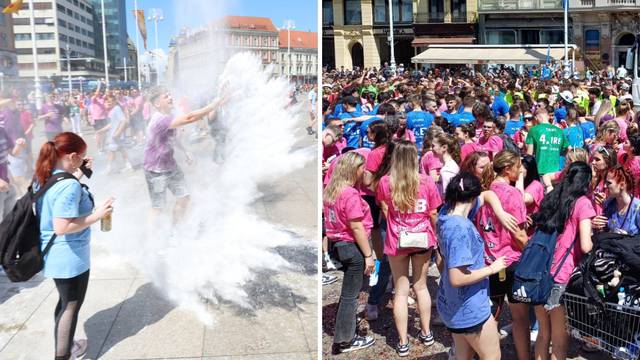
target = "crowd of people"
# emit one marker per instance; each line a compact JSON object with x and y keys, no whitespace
{"x":122,"y":121}
{"x":461,"y":167}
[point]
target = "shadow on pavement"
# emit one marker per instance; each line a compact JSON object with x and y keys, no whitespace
{"x":150,"y":307}
{"x":9,"y":289}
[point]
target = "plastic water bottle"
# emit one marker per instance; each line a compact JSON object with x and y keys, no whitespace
{"x":621,"y":298}
{"x":373,"y":278}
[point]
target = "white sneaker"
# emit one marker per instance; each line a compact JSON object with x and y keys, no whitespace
{"x":410,"y":300}
{"x":329,"y":263}
{"x":505,"y":331}
{"x":534,"y":335}
{"x":78,"y":349}
{"x":128,"y":168}
{"x":372,"y":312}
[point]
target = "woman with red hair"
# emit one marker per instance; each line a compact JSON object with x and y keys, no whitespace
{"x":66,"y":212}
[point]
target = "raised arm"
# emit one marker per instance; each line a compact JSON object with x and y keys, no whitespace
{"x":197,"y":114}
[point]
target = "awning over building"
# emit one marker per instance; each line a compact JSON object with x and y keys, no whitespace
{"x":490,"y":54}
{"x":422,"y":41}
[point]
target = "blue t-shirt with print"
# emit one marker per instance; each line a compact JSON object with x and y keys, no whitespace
{"x":69,"y":256}
{"x":575,"y":136}
{"x":511,"y":127}
{"x":461,"y":245}
{"x":588,"y":130}
{"x":339,"y":109}
{"x":364,"y":139}
{"x":628,"y":222}
{"x":419,"y":122}
{"x":351,"y":128}
{"x":462,"y":118}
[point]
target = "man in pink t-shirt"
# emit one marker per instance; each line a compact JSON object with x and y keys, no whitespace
{"x":489,"y":142}
{"x":98,"y":116}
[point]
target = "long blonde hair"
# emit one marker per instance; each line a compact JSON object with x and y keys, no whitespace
{"x":403,"y":176}
{"x":344,"y":174}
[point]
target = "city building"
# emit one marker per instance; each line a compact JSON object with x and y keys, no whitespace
{"x":132,"y":61}
{"x":196,"y":57}
{"x":602,"y":29}
{"x":298,"y":56}
{"x":116,"y":26}
{"x":64,"y":32}
{"x":356,"y":32}
{"x":8,"y":57}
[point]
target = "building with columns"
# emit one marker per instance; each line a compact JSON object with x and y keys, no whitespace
{"x":356,"y":32}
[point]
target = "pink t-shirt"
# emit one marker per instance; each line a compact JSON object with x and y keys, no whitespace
{"x":467,"y":149}
{"x":97,"y":111}
{"x":327,"y":176}
{"x":375,"y":158}
{"x":408,"y":135}
{"x":349,"y":206}
{"x":492,"y":145}
{"x":430,"y":162}
{"x":498,"y":240}
{"x":600,"y":187}
{"x":583,"y":209}
{"x":536,"y":190}
{"x":417,"y":221}
{"x":633,"y":166}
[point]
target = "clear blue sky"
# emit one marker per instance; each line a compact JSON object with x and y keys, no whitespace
{"x":194,"y":13}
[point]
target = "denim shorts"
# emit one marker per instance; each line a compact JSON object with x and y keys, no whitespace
{"x":158,"y":183}
{"x":555,"y":297}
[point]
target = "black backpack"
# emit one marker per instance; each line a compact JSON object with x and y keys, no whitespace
{"x":20,"y":254}
{"x":509,"y":144}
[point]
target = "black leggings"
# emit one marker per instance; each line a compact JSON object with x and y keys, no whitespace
{"x":71,"y":293}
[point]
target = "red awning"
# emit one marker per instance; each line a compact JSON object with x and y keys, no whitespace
{"x":421,"y":41}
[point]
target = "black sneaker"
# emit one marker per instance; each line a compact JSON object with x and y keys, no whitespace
{"x":403,"y":349}
{"x":358,"y":342}
{"x":310,"y":130}
{"x":426,"y":339}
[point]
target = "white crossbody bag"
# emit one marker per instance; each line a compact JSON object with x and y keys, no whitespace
{"x":413,"y":240}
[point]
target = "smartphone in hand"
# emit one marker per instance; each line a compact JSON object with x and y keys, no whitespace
{"x":85,"y":170}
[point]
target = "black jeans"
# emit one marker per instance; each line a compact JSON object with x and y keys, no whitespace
{"x":352,"y":261}
{"x":72,"y":292}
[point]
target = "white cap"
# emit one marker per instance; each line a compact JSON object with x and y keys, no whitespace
{"x":567,"y":96}
{"x":626,"y":97}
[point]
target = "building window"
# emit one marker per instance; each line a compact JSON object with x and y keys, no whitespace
{"x":551,"y":36}
{"x":458,"y":11}
{"x":402,"y":11}
{"x":436,"y":11}
{"x":327,"y":12}
{"x":592,"y":40}
{"x":352,"y":12}
{"x":19,"y":37}
{"x":496,"y":37}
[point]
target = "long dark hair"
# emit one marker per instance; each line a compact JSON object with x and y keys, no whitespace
{"x":529,"y":163}
{"x":558,"y":205}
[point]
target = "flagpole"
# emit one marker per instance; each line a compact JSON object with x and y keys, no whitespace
{"x":135,"y":6}
{"x":104,"y":45}
{"x":566,"y":35}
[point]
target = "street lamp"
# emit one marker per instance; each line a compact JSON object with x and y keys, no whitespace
{"x":289,"y":24}
{"x":393,"y":56}
{"x":156,"y":16}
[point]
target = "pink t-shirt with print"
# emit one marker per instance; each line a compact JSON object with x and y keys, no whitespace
{"x":633,"y":166}
{"x":582,"y":209}
{"x":349,"y":206}
{"x":498,"y":240}
{"x":430,"y":162}
{"x":417,"y":221}
{"x":408,"y":135}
